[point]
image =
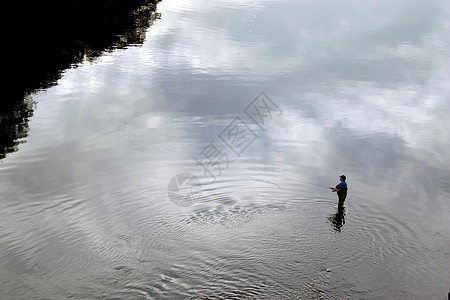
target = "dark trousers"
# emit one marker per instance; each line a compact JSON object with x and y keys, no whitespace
{"x":341,"y":195}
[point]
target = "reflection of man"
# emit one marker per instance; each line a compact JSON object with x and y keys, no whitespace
{"x":338,"y":220}
{"x":341,"y":190}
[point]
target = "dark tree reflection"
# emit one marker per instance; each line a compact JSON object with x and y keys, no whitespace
{"x":47,"y":37}
{"x":14,"y":125}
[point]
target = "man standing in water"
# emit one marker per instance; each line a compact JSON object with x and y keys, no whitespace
{"x":341,"y":190}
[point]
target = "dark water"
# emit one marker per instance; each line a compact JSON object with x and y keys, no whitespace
{"x":350,"y":87}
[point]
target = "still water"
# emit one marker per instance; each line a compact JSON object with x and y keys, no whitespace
{"x":350,"y":87}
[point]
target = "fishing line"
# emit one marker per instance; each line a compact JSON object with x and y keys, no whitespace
{"x":310,"y":183}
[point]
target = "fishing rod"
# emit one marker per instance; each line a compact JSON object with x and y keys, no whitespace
{"x":270,"y":182}
{"x":310,"y":183}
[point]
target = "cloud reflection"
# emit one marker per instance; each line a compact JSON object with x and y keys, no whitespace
{"x":363,"y":88}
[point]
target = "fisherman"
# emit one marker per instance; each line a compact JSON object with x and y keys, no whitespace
{"x":341,"y":190}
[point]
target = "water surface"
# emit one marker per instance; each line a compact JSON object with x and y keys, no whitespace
{"x":361,"y":90}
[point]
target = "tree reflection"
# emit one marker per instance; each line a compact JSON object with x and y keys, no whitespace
{"x":14,"y":125}
{"x":52,"y":36}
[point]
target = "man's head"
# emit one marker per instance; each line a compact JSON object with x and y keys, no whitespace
{"x":343,"y":177}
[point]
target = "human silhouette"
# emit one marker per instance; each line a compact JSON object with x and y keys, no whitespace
{"x":341,"y":190}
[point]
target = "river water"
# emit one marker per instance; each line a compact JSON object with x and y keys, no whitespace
{"x":196,"y":165}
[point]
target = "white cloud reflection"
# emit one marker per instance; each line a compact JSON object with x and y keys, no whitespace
{"x":361,"y":85}
{"x":359,"y":66}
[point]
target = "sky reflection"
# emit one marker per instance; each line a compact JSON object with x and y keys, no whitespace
{"x":364,"y":91}
{"x":371,"y":87}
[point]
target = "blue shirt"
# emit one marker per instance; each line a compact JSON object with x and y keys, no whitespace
{"x":342,"y":186}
